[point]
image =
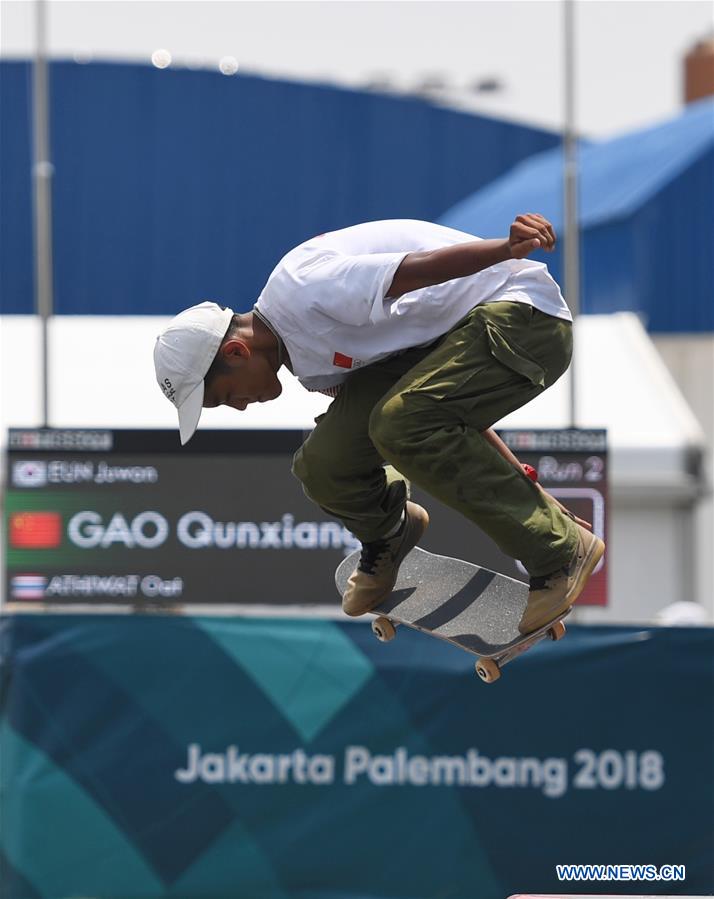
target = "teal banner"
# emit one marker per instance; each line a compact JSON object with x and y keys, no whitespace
{"x":150,"y":756}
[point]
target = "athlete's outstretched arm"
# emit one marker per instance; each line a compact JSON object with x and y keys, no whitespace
{"x":417,"y":270}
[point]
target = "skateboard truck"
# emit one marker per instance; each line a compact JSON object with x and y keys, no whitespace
{"x":488,"y":668}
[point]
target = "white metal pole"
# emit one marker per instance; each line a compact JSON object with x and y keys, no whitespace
{"x":42,"y":171}
{"x":571,"y":230}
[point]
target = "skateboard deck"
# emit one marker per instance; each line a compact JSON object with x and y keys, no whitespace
{"x":474,"y":608}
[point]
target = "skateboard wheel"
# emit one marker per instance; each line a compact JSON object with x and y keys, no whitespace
{"x":557,"y":632}
{"x":383,"y":630}
{"x":488,"y":670}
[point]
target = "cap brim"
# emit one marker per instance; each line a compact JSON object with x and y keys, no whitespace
{"x":189,"y":413}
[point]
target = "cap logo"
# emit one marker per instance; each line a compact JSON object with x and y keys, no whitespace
{"x":169,"y":390}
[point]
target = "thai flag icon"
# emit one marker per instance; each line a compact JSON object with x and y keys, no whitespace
{"x":28,"y":586}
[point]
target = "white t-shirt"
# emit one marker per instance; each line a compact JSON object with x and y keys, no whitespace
{"x":326,"y":298}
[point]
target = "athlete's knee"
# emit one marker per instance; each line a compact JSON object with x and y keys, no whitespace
{"x":299,"y":467}
{"x":319,"y":467}
{"x":563,"y":353}
{"x":307,"y":465}
{"x":388,"y":428}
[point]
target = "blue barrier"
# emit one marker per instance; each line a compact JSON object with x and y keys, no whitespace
{"x":235,"y":757}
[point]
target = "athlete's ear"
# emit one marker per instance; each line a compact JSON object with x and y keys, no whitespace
{"x":234,"y":349}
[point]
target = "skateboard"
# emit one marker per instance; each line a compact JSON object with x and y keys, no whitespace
{"x":471,"y":607}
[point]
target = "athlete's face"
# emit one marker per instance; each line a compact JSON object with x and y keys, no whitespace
{"x":250,"y":379}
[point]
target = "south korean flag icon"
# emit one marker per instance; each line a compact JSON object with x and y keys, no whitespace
{"x":29,"y":474}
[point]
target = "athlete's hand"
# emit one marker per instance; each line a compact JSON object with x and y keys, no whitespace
{"x":552,"y":499}
{"x":530,"y":232}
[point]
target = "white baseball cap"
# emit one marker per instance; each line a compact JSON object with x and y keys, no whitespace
{"x":183,"y":353}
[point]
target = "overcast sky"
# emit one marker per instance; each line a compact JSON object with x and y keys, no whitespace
{"x":629,"y":52}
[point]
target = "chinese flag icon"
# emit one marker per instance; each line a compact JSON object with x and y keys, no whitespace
{"x":35,"y":530}
{"x":342,"y":361}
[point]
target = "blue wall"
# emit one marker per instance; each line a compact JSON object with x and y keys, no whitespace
{"x":175,"y":186}
{"x":647,"y":230}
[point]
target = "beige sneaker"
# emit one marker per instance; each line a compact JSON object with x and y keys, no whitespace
{"x":553,"y":594}
{"x":376,"y":574}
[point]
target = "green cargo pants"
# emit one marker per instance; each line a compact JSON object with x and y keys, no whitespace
{"x":423,"y":413}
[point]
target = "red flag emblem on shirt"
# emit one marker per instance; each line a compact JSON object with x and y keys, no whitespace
{"x":35,"y":530}
{"x":342,"y":361}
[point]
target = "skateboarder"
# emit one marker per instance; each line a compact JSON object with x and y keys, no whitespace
{"x":426,"y":337}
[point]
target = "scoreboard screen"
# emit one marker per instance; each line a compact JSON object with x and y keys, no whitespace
{"x":130,"y":518}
